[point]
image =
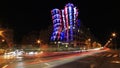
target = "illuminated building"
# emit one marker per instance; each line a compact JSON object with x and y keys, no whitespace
{"x":65,"y":24}
{"x":67,"y":29}
{"x":57,"y":25}
{"x":69,"y":19}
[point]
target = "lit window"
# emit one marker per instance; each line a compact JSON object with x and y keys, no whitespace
{"x":73,"y":27}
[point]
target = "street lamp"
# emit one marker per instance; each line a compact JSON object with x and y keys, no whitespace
{"x":114,"y":41}
{"x":113,"y":34}
{"x":1,"y":33}
{"x":39,"y":42}
{"x":3,"y":40}
{"x":89,"y":43}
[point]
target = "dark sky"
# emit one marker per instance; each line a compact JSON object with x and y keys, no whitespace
{"x":24,"y":16}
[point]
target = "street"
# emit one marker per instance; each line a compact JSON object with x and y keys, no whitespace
{"x":61,"y":61}
{"x":109,"y":59}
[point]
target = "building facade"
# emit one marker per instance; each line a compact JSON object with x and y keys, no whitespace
{"x":65,"y":24}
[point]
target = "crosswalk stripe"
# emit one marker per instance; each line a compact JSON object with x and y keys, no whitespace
{"x":109,"y":55}
{"x":115,"y":55}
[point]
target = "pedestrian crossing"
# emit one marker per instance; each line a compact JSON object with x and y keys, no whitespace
{"x":107,"y":55}
{"x":116,"y":55}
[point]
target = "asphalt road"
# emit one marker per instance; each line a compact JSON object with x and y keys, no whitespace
{"x":62,"y":61}
{"x":109,"y":59}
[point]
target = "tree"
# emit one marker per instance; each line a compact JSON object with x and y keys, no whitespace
{"x":30,"y":38}
{"x":7,"y":35}
{"x":45,"y":35}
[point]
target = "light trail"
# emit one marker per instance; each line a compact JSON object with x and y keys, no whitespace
{"x":5,"y":66}
{"x":53,"y":61}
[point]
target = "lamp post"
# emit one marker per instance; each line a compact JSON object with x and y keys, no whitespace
{"x":114,"y":40}
{"x":89,"y":43}
{"x":39,"y":42}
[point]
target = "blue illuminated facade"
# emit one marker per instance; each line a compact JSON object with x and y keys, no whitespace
{"x":57,"y":25}
{"x":65,"y":23}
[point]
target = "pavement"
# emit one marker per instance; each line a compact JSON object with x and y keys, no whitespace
{"x":108,"y":59}
{"x":5,"y":60}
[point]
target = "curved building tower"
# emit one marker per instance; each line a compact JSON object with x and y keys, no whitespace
{"x":69,"y":15}
{"x":57,"y":25}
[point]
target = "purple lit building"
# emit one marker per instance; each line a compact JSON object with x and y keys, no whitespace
{"x":65,"y":24}
{"x":57,"y":25}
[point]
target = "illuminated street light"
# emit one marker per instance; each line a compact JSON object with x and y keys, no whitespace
{"x":114,"y":41}
{"x":3,"y":40}
{"x":89,"y":43}
{"x":38,"y":41}
{"x":7,"y":35}
{"x":89,"y":39}
{"x":1,"y":33}
{"x":113,"y":34}
{"x":111,"y":39}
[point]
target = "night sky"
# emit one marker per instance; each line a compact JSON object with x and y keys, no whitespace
{"x":25,"y":16}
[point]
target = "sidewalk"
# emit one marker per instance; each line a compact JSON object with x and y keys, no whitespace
{"x":4,"y":61}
